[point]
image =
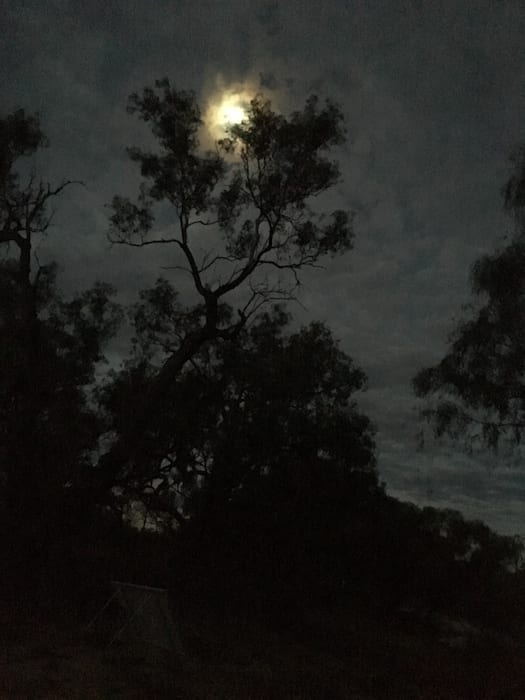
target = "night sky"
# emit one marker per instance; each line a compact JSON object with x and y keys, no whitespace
{"x":434,"y":100}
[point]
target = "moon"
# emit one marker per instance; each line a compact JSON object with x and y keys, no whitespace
{"x":231,"y":112}
{"x":225,"y":110}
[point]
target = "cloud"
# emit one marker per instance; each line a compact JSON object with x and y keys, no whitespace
{"x":433,"y":101}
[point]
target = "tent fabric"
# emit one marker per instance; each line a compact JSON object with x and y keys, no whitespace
{"x":146,"y":617}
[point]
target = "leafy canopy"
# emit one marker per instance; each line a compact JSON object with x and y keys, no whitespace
{"x":265,"y":407}
{"x":480,"y":383}
{"x":256,"y":203}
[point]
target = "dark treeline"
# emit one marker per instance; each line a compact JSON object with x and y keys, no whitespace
{"x":227,"y":457}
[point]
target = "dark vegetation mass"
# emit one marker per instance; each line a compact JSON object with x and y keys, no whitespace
{"x":227,"y":458}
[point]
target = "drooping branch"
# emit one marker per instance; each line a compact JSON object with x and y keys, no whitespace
{"x":480,"y":382}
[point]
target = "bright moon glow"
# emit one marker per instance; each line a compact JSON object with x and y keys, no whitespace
{"x":232,"y":114}
{"x":226,"y":109}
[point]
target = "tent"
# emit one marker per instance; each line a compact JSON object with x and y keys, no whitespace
{"x":144,"y":618}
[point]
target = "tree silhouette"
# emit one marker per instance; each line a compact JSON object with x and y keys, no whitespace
{"x":258,"y":409}
{"x":224,"y":421}
{"x":251,"y":198}
{"x":23,"y":200}
{"x":50,"y":348}
{"x":479,"y":384}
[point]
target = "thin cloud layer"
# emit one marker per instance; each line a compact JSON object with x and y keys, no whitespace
{"x":434,"y":102}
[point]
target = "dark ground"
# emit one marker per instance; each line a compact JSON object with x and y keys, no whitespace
{"x":324,"y":656}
